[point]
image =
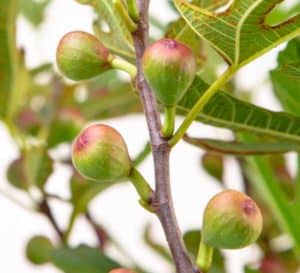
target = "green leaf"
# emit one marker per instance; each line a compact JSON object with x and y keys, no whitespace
{"x":83,"y":191}
{"x":224,"y":110}
{"x":37,"y":166}
{"x":109,"y":96}
{"x":67,"y":120}
{"x":248,"y":269}
{"x":16,"y":176}
{"x":8,"y":52}
{"x":191,"y":239}
{"x":142,"y":155}
{"x":286,"y":77}
{"x":213,"y":164}
{"x":210,"y":5}
{"x":82,"y":259}
{"x":34,"y":10}
{"x":280,"y":13}
{"x":239,"y":34}
{"x":240,"y":148}
{"x":181,"y":31}
{"x":264,"y":181}
{"x":21,"y":93}
{"x":118,"y":38}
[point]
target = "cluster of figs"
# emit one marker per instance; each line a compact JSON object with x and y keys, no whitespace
{"x":231,"y":219}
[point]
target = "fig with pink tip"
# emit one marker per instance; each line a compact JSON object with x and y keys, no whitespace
{"x":169,"y":67}
{"x":100,"y":153}
{"x":82,"y":56}
{"x":231,"y":220}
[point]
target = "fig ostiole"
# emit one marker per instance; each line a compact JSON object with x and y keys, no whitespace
{"x":231,"y":220}
{"x":169,"y":68}
{"x":100,"y":153}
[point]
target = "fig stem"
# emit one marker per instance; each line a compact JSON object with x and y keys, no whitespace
{"x":142,"y":187}
{"x":133,"y":10}
{"x":202,"y":101}
{"x":169,"y":122}
{"x":205,"y":256}
{"x":121,"y":9}
{"x":121,"y":64}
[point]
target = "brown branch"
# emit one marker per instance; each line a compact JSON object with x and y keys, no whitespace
{"x":45,"y":209}
{"x":101,"y":234}
{"x":162,"y":200}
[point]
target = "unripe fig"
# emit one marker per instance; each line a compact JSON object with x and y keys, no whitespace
{"x":38,"y":250}
{"x":169,"y":67}
{"x":122,"y":270}
{"x":100,"y":153}
{"x":231,"y":220}
{"x":81,"y":56}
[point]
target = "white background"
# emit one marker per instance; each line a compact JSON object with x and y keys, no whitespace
{"x":118,"y":210}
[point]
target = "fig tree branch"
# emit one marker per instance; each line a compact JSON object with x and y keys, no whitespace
{"x":45,"y":209}
{"x":162,"y":198}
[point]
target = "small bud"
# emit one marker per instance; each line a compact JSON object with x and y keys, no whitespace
{"x":122,"y":270}
{"x":38,"y":250}
{"x":169,"y":67}
{"x":231,"y":220}
{"x":100,"y":153}
{"x":81,"y":56}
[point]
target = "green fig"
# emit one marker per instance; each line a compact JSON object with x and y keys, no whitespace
{"x":81,"y":56}
{"x":100,"y":153}
{"x":231,"y":220}
{"x":121,"y":270}
{"x":169,"y":67}
{"x":38,"y":250}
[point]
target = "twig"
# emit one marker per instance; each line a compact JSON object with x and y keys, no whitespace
{"x":45,"y":209}
{"x":101,"y":234}
{"x":162,"y":199}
